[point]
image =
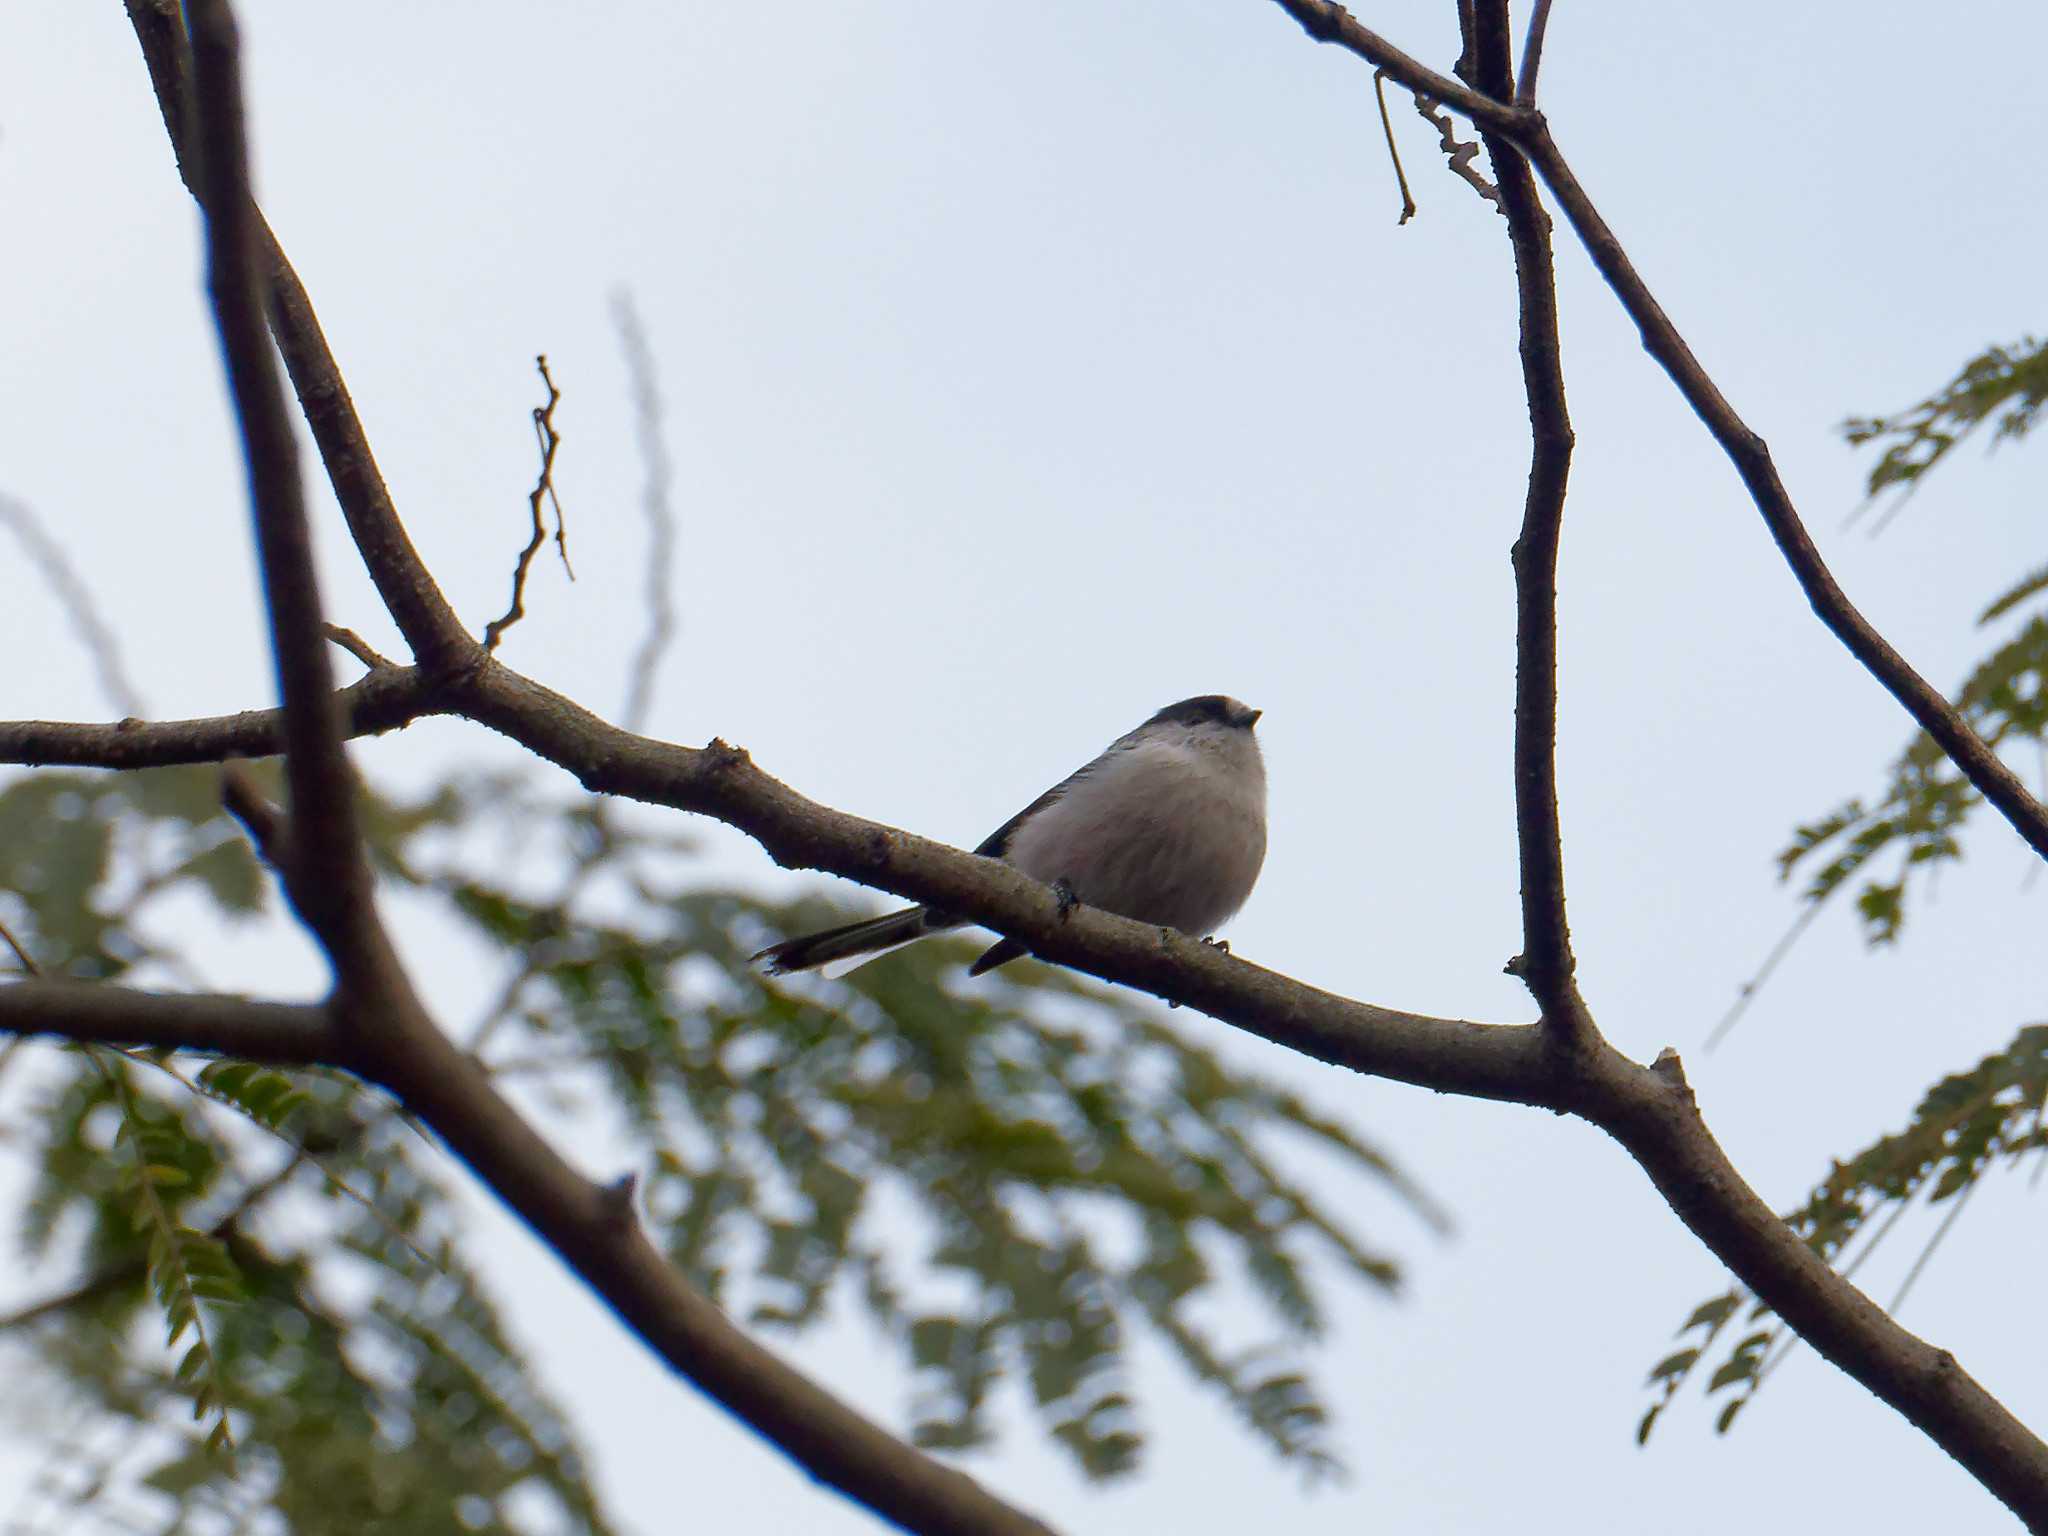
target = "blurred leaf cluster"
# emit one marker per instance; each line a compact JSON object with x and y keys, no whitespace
{"x":1010,"y":1180}
{"x":1920,"y":816}
{"x":2003,"y":385}
{"x":1995,"y":1113}
{"x":1915,"y":823}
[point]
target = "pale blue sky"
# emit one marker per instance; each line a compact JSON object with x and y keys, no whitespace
{"x":1030,"y":366}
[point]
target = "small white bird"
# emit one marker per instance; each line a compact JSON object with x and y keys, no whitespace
{"x":1167,"y":826}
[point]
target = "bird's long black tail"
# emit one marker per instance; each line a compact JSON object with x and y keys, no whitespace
{"x":856,"y":942}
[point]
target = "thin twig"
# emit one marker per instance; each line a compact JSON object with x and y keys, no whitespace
{"x":267,"y":826}
{"x":73,"y":596}
{"x":1379,"y":89}
{"x":21,"y":954}
{"x":1532,"y":55}
{"x":654,"y":501}
{"x":543,"y":493}
{"x":1933,"y":1243}
{"x":1746,"y":994}
{"x":358,"y":647}
{"x":2035,"y":866}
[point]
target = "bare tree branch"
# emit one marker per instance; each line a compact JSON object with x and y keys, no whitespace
{"x":1747,"y":450}
{"x":278,"y":1034}
{"x":331,"y":878}
{"x":1328,"y":23}
{"x":1545,"y":963}
{"x":1997,"y":1449}
{"x":543,"y":492}
{"x":435,"y":635}
{"x":1751,"y":456}
{"x":1532,"y":55}
{"x":386,"y":700}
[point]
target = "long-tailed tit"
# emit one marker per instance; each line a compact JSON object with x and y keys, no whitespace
{"x":1167,"y":826}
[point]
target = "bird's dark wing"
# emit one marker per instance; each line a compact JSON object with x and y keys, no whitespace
{"x":997,"y":843}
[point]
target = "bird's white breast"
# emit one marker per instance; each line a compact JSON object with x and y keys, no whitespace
{"x":1169,"y":829}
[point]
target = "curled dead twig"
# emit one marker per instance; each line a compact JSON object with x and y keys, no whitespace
{"x":543,"y":492}
{"x":1459,"y":155}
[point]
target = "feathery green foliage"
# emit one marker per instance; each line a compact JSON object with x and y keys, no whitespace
{"x":1915,"y":826}
{"x":2003,"y":385}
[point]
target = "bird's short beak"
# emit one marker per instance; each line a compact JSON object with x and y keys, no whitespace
{"x":1251,"y":717}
